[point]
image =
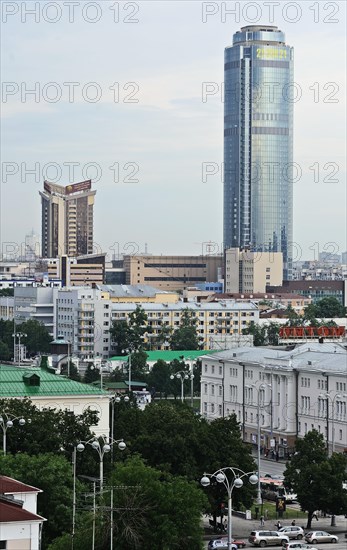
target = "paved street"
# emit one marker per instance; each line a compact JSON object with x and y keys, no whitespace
{"x":242,"y":527}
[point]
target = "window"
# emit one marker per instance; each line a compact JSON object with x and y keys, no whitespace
{"x":212,"y":369}
{"x":220,"y":410}
{"x":212,"y":389}
{"x":220,"y":369}
{"x":205,"y":388}
{"x":220,"y":390}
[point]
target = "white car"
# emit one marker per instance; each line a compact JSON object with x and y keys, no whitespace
{"x":221,"y":544}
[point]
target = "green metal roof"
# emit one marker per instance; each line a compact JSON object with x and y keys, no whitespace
{"x":168,"y":356}
{"x":12,"y":383}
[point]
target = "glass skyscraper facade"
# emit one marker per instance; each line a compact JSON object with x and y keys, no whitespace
{"x":258,"y":142}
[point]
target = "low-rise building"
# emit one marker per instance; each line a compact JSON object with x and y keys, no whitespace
{"x":51,"y":391}
{"x":289,"y":391}
{"x":20,"y":525}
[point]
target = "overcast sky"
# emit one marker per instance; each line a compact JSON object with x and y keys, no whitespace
{"x":136,"y":120}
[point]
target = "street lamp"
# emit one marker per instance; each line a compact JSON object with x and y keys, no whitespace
{"x":116,"y":399}
{"x":182,"y":375}
{"x":18,"y":335}
{"x":128,"y":351}
{"x":328,"y":397}
{"x":258,"y":388}
{"x":106,"y":446}
{"x":236,"y":481}
{"x":6,"y":421}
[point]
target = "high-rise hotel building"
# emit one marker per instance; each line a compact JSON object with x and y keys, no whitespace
{"x":258,"y":142}
{"x":67,"y":219}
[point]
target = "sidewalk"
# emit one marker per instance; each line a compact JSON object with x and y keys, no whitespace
{"x":241,"y":528}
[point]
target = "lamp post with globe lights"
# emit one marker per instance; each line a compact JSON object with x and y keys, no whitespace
{"x":102,"y":449}
{"x":182,"y":375}
{"x":18,"y":335}
{"x":6,"y":421}
{"x":260,"y":398}
{"x":327,"y":395}
{"x":230,"y":477}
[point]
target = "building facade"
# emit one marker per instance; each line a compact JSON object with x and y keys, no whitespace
{"x":247,"y":271}
{"x":67,"y":219}
{"x":291,"y":392}
{"x":172,"y":272}
{"x":258,"y":142}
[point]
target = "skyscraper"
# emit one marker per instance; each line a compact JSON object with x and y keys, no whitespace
{"x":67,"y":219}
{"x":258,"y":142}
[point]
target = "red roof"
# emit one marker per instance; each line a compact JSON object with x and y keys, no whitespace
{"x":12,"y":486}
{"x":12,"y":511}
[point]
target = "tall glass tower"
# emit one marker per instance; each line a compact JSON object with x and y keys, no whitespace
{"x":258,"y":142}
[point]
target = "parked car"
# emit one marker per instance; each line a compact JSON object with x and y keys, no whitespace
{"x":221,"y":544}
{"x":267,"y":538}
{"x":292,"y":532}
{"x":320,"y":536}
{"x":240,"y":543}
{"x":297,"y":546}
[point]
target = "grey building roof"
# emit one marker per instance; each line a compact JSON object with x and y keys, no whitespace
{"x":329,"y":357}
{"x":227,"y":305}
{"x":126,"y":291}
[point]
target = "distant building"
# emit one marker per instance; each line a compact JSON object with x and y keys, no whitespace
{"x":67,"y":219}
{"x":344,"y":258}
{"x":258,"y":143}
{"x":316,"y":289}
{"x":329,"y":258}
{"x":80,"y":271}
{"x":171,"y":272}
{"x":32,"y":247}
{"x":250,"y":272}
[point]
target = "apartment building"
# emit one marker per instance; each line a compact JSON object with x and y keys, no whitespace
{"x":291,"y":392}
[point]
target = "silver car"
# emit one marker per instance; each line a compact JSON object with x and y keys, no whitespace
{"x":297,"y":546}
{"x":293,"y":532}
{"x":267,"y":538}
{"x":320,"y":536}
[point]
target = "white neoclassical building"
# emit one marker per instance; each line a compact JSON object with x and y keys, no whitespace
{"x":294,"y":391}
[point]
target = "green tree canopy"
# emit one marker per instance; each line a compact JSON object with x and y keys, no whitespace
{"x":52,"y":474}
{"x":326,"y":307}
{"x":129,"y":335}
{"x":186,"y":336}
{"x":152,"y":511}
{"x":315,"y":478}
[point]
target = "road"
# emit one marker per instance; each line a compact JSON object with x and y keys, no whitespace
{"x":268,"y":466}
{"x":341,"y":545}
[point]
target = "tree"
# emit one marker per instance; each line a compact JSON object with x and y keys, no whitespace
{"x":258,"y":332}
{"x":92,"y":374}
{"x":315,"y":478}
{"x":129,"y":335}
{"x":159,"y":377}
{"x":72,"y":369}
{"x":52,"y":474}
{"x":326,"y":307}
{"x":37,"y":337}
{"x":48,"y":430}
{"x":152,"y":511}
{"x":6,"y":292}
{"x":186,"y":337}
{"x":5,"y":353}
{"x":139,"y":368}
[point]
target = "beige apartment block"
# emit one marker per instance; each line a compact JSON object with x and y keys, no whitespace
{"x":173,"y":273}
{"x":67,"y":219}
{"x":87,"y":270}
{"x":247,"y":271}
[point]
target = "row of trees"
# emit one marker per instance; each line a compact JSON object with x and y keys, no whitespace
{"x":158,"y":499}
{"x":37,"y":338}
{"x":129,"y":335}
